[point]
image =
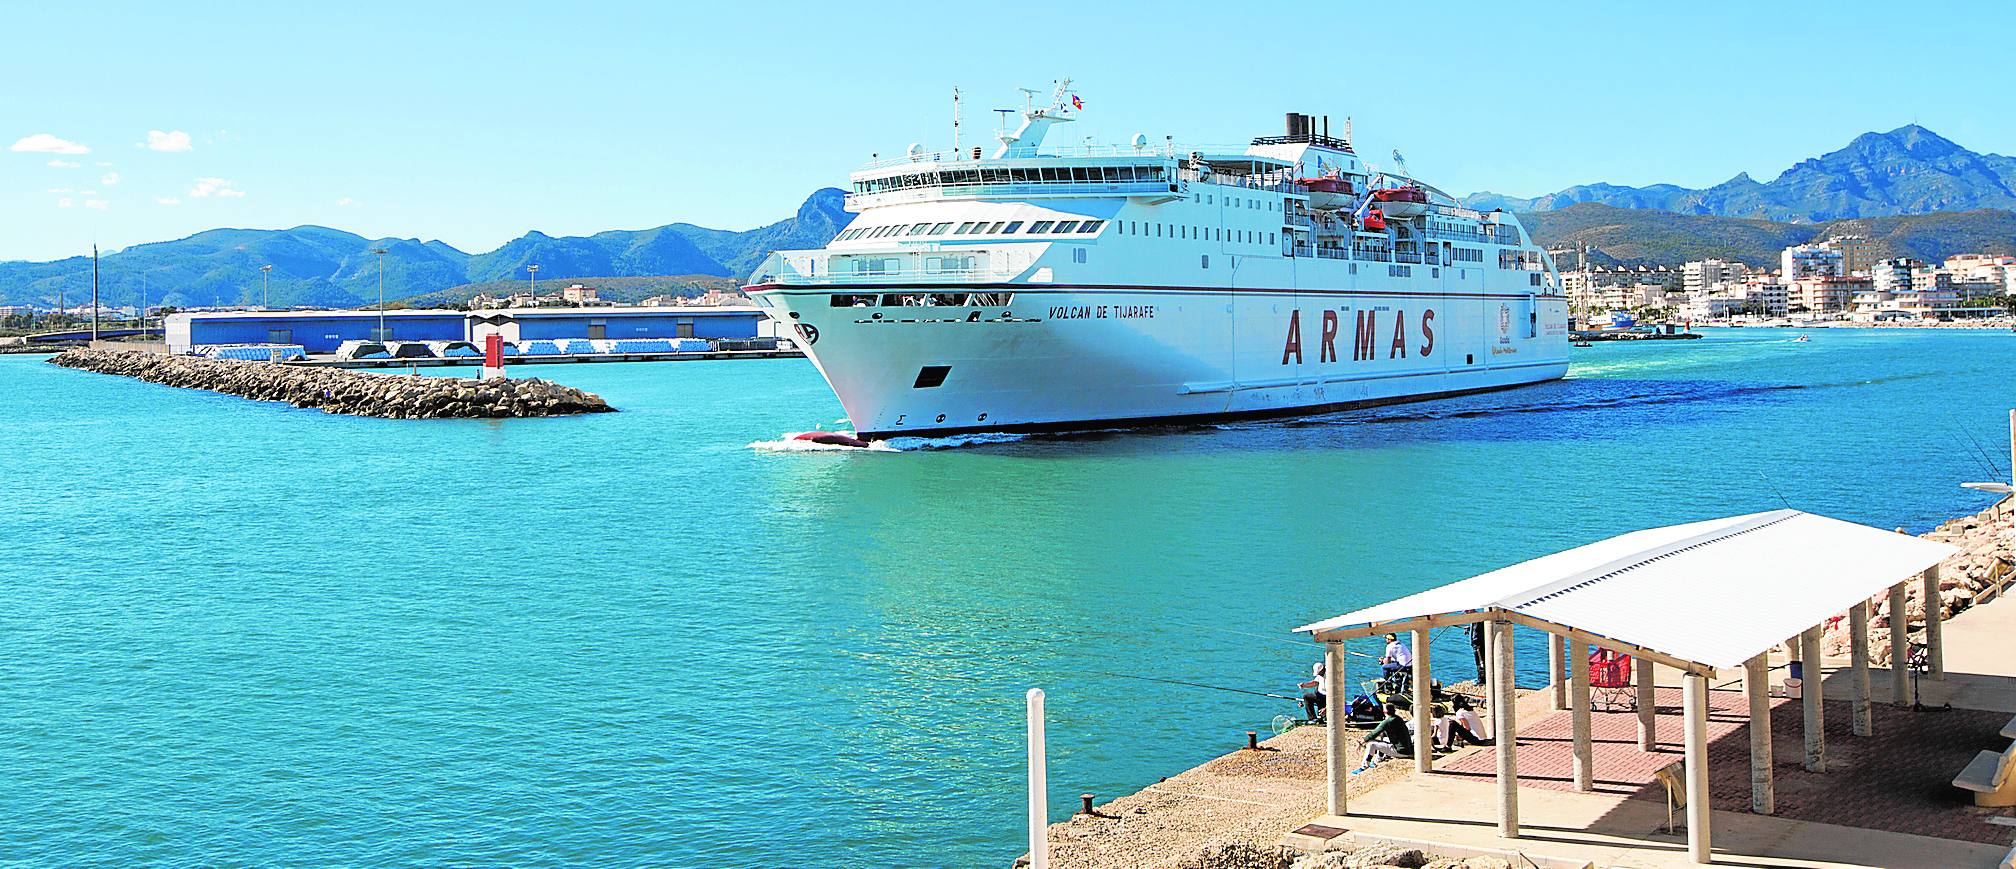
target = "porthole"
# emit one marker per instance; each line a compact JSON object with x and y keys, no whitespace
{"x":981,"y":418}
{"x":941,"y":417}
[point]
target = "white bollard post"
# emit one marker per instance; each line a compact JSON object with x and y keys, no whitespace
{"x":1039,"y":787}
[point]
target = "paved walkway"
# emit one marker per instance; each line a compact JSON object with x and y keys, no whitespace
{"x":1899,"y":780}
{"x":1613,"y":830}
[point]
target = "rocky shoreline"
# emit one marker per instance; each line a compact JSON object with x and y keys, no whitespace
{"x":335,"y":390}
{"x":1979,"y":565}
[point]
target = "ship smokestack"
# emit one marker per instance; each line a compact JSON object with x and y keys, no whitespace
{"x":1294,"y":120}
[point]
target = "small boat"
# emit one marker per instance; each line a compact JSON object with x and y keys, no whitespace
{"x":830,"y":438}
{"x":1801,"y":340}
{"x":1401,"y":203}
{"x":1327,"y":194}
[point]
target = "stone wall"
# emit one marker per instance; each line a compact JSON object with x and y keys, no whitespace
{"x":336,"y":390}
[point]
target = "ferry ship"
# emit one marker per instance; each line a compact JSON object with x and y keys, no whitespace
{"x":1088,"y":287}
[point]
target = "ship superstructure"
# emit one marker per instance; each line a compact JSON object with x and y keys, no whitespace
{"x":1022,"y":288}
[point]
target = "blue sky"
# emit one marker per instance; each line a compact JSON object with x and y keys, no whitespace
{"x":473,"y":123}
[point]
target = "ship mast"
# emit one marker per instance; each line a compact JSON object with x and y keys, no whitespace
{"x":1036,"y":122}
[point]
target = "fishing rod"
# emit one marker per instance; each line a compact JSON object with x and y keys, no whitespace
{"x":1195,"y":685}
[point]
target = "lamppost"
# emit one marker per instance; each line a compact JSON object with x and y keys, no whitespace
{"x":534,"y":269}
{"x":265,"y":283}
{"x":381,"y":252}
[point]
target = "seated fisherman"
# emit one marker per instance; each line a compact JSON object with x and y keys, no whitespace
{"x":1314,"y":701}
{"x":1398,"y":657}
{"x":1392,"y":738}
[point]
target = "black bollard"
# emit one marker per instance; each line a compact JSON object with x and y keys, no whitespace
{"x":1252,"y":740}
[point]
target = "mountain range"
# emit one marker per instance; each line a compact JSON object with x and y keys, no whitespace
{"x":1911,"y":191}
{"x":316,"y":265}
{"x":1909,"y":170}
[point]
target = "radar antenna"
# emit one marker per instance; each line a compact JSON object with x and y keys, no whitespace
{"x":1028,"y":137}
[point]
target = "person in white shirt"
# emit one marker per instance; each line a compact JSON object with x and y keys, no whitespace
{"x":1398,"y":656}
{"x":1314,"y":701}
{"x":1463,"y":724}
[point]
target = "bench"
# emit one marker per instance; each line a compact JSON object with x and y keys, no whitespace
{"x":1991,"y":775}
{"x":2009,"y":730}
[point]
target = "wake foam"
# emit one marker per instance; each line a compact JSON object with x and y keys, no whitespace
{"x":788,"y":443}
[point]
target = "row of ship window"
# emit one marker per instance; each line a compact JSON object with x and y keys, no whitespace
{"x":1195,"y":233}
{"x":980,"y":227}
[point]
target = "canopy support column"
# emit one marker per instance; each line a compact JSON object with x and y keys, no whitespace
{"x":1815,"y":725}
{"x":1695,"y":700}
{"x":1648,"y":703}
{"x":1578,"y":713}
{"x":1424,"y":704}
{"x":1757,"y":685}
{"x":1505,"y":716}
{"x":1335,"y":714}
{"x":1858,"y":645}
{"x":1900,"y":648}
{"x":1554,"y":662}
{"x":1935,"y":634}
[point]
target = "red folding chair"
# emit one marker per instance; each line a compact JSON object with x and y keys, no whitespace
{"x":1610,"y":682}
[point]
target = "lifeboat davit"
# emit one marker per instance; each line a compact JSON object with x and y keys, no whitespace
{"x":1402,"y":203}
{"x":1327,"y":194}
{"x":830,"y":438}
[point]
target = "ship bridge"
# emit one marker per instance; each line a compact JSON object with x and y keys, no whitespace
{"x":1138,"y":171}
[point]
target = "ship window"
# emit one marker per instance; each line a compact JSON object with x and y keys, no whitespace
{"x":940,"y":228}
{"x":964,"y":228}
{"x":1012,"y":226}
{"x":1077,"y":254}
{"x":995,"y":228}
{"x":1091,"y":226}
{"x":919,"y":229}
{"x":903,"y":300}
{"x":1204,"y":262}
{"x":993,"y":300}
{"x":852,"y":301}
{"x":947,"y":300}
{"x":1066,"y":226}
{"x":1040,"y":227}
{"x":1158,"y":230}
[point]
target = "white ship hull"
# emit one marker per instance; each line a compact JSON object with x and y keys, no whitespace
{"x":1065,"y":358}
{"x":1105,"y":286}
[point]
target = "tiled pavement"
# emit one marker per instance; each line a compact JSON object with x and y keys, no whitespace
{"x":1898,"y":780}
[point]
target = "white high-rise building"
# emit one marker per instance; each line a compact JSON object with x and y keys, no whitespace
{"x":1812,"y":261}
{"x":1698,"y":276}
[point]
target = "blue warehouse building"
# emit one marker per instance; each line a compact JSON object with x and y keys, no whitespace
{"x":325,"y":331}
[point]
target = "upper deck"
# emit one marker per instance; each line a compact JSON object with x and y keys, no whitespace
{"x":1087,"y":171}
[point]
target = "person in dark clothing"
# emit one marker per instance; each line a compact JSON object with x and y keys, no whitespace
{"x":1476,"y":632}
{"x":1390,"y":739}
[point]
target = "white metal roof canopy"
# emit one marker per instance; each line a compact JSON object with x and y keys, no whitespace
{"x":1715,"y":593}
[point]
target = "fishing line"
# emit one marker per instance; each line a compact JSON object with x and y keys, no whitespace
{"x":1195,"y":685}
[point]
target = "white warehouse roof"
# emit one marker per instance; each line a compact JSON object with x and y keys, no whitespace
{"x":1716,"y":593}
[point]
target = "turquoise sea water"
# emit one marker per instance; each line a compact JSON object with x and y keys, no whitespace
{"x":237,"y":633}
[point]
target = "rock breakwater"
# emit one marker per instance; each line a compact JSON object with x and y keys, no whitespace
{"x":335,"y":390}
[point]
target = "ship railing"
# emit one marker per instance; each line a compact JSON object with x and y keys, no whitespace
{"x":855,"y":201}
{"x":1406,"y":256}
{"x":1375,"y":254}
{"x":1290,"y":218}
{"x":1163,"y":148}
{"x":1272,"y":184}
{"x":1332,"y":253}
{"x":1298,"y":250}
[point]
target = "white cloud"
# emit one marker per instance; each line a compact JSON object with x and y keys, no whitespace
{"x":63,"y":164}
{"x":44,"y":143}
{"x":169,"y":141}
{"x":109,"y":179}
{"x":61,"y":190}
{"x":345,"y":202}
{"x":96,"y":204}
{"x":64,"y":202}
{"x":218,"y":187}
{"x":168,"y":200}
